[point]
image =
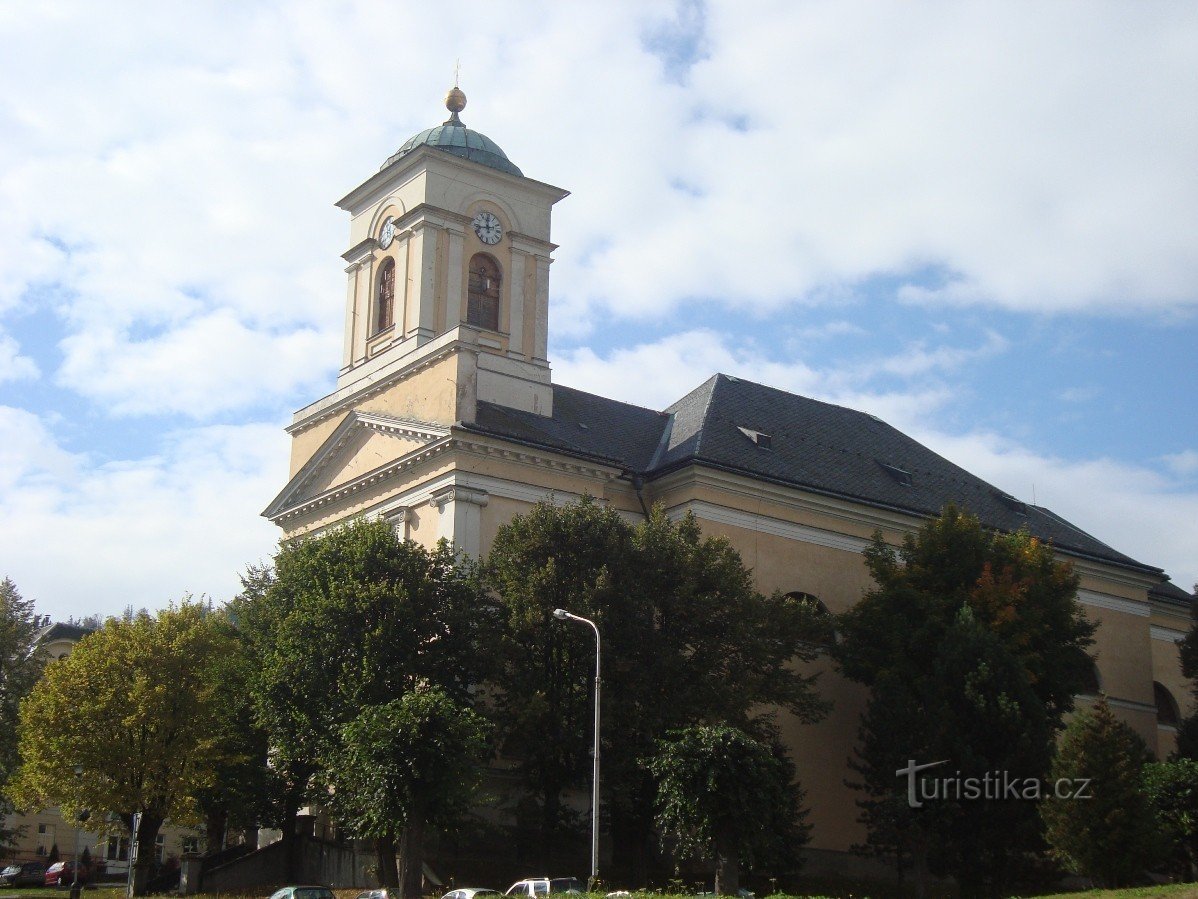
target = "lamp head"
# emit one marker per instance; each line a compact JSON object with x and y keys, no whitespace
{"x":561,"y":614}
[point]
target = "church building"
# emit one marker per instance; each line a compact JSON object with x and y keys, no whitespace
{"x":446,"y":421}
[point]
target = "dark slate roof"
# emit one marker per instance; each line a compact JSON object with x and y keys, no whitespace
{"x":583,"y":424}
{"x":1167,"y":591}
{"x":813,"y":445}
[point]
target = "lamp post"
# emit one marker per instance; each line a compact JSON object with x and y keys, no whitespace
{"x":79,"y":819}
{"x":562,"y":615}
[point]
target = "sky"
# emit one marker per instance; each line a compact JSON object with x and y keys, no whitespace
{"x":977,"y":221}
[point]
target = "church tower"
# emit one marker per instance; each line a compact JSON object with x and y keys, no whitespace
{"x":449,"y":256}
{"x":447,"y":306}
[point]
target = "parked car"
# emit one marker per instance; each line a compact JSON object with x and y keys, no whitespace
{"x":303,"y":892}
{"x":468,"y":893}
{"x":381,"y":893}
{"x":61,"y":874}
{"x":543,"y":886}
{"x":29,"y":874}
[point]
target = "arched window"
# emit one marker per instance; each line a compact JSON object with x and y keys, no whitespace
{"x":827,"y":634}
{"x":482,"y":300}
{"x":1166,"y":706}
{"x":384,"y":306}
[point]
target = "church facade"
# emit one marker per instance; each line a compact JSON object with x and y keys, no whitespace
{"x":445,"y":421}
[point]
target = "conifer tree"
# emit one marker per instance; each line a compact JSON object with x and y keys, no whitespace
{"x":1111,"y":836}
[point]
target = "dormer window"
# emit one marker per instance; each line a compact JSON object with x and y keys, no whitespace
{"x":482,"y":300}
{"x":384,"y":314}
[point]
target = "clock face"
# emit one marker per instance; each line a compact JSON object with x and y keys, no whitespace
{"x":487,"y":227}
{"x":388,"y":233}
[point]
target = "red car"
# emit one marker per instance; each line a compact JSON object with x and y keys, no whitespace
{"x":63,"y":874}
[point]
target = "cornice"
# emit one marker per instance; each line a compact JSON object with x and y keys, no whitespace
{"x":1168,"y":634}
{"x":370,"y":478}
{"x":1114,"y":603}
{"x":454,"y":443}
{"x":766,"y":524}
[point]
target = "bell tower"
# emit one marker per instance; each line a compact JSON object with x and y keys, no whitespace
{"x":448,"y":257}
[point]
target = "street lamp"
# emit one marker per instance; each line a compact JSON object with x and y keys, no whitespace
{"x":79,"y":821}
{"x":562,"y":615}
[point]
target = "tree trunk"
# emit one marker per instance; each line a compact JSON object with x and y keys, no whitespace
{"x":384,"y":848}
{"x":550,"y":827}
{"x":143,"y":868}
{"x":411,"y":861}
{"x":727,"y":864}
{"x":214,"y":827}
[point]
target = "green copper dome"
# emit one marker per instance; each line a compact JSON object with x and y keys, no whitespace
{"x":454,"y":137}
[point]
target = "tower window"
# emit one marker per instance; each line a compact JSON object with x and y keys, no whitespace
{"x":482,"y":300}
{"x":384,"y":316}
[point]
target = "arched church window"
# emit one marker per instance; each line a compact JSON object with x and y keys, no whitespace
{"x":384,"y":315}
{"x":826,"y":634}
{"x":482,"y":299}
{"x":1166,"y":706}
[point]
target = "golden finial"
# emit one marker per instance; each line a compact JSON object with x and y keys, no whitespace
{"x":455,"y":100}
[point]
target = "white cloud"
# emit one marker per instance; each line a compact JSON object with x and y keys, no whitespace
{"x":1183,"y":464}
{"x":1138,"y":510}
{"x":81,"y":538}
{"x":14,"y":366}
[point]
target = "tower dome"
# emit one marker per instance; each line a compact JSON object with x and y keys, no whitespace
{"x":453,"y":137}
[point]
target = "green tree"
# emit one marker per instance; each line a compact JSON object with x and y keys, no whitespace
{"x":349,"y":619}
{"x":1172,"y":791}
{"x":724,"y":795}
{"x":20,"y":667}
{"x":687,"y":640}
{"x":1110,"y":838}
{"x":973,"y":645}
{"x":138,"y":709}
{"x":1187,"y":733}
{"x":405,"y":766}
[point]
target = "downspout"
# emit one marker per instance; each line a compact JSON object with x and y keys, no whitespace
{"x":638,"y":484}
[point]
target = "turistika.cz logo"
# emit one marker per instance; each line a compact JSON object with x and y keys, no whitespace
{"x":923,"y":788}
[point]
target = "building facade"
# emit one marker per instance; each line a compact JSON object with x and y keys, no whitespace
{"x":446,"y":422}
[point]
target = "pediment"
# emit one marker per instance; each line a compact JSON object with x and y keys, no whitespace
{"x":364,"y":442}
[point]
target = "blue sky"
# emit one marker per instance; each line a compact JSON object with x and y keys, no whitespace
{"x":977,"y":221}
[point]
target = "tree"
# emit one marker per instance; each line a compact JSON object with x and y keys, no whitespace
{"x":1172,"y":791}
{"x":349,"y":619}
{"x":138,"y":708}
{"x":725,"y":795}
{"x":1187,"y":733}
{"x":973,"y":645}
{"x":687,"y":641}
{"x":20,"y":667}
{"x":1110,"y":838}
{"x":405,"y":766}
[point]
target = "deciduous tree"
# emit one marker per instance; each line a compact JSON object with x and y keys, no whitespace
{"x":1172,"y":791}
{"x":138,"y":708}
{"x":687,"y":640}
{"x":20,"y":667}
{"x":729,"y":797}
{"x":405,"y":766}
{"x":349,"y":619}
{"x":973,"y":645}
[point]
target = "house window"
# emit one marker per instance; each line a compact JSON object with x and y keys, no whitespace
{"x":160,"y":848}
{"x":1167,"y":712}
{"x":482,"y":300}
{"x":191,"y":844}
{"x":45,"y":839}
{"x":118,"y":849}
{"x":384,"y":315}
